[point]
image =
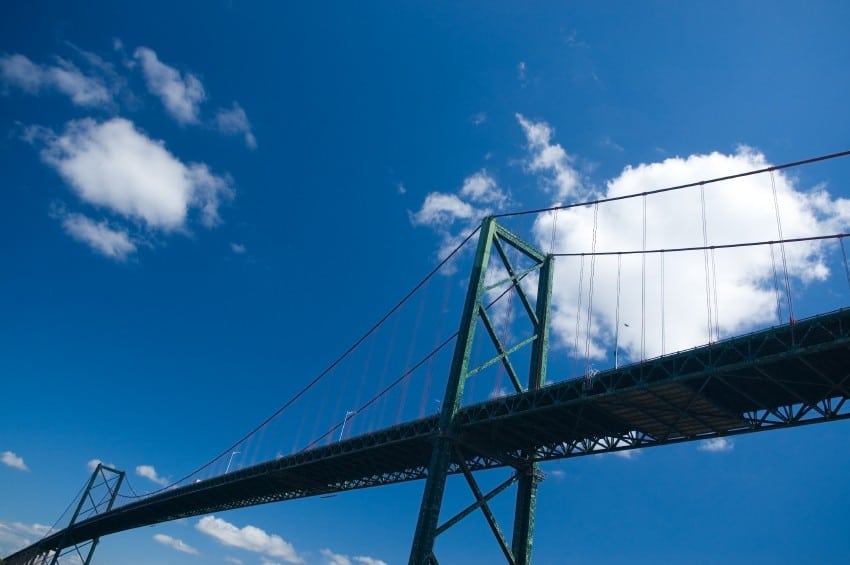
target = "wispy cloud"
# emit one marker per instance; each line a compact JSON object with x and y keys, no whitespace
{"x":112,"y":243}
{"x":479,"y":118}
{"x":250,"y":538}
{"x":234,"y":121}
{"x":238,"y":248}
{"x":175,"y":544}
{"x":365,"y":560}
{"x":716,"y":445}
{"x":149,"y":472}
{"x":521,"y":73}
{"x":550,"y":158}
{"x":64,"y":76}
{"x":180,"y":93}
{"x":93,"y":463}
{"x":15,"y":535}
{"x":454,"y":215}
{"x":609,"y":143}
{"x":331,"y":558}
{"x":10,"y":459}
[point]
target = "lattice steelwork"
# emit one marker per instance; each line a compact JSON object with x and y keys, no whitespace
{"x":785,"y":376}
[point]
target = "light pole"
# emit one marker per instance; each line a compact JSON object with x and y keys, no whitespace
{"x":348,"y":414}
{"x":617,"y":345}
{"x":230,"y":461}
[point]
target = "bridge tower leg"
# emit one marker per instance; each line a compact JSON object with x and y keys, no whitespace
{"x":99,"y":496}
{"x":446,"y":456}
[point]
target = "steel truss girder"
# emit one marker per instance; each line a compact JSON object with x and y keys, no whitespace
{"x":781,"y":377}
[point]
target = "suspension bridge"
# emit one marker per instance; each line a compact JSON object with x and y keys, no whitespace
{"x":791,"y":372}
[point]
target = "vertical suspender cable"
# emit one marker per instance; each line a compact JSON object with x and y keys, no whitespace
{"x":716,"y":312}
{"x":643,"y":288}
{"x":617,"y":314}
{"x":776,"y":286}
{"x":554,"y":224}
{"x":429,"y":375}
{"x":590,"y":291}
{"x":782,"y":249}
{"x":705,"y":262}
{"x":844,"y":255}
{"x":578,"y":314}
{"x":663,"y":335}
{"x":410,"y":351}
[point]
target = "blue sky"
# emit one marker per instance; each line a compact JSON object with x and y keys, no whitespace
{"x":204,"y":203}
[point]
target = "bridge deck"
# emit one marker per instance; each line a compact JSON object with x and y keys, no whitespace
{"x":785,"y":376}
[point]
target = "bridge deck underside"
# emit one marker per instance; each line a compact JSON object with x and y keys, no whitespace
{"x":785,"y":376}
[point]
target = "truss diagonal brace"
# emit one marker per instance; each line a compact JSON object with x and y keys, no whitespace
{"x":488,"y":514}
{"x":477,"y":504}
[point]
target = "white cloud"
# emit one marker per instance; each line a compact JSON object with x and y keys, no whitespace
{"x":180,"y":94}
{"x":149,"y":472}
{"x":481,"y":188}
{"x":606,"y":141}
{"x":230,"y":559}
{"x":15,"y":535}
{"x":332,"y":558}
{"x":10,"y":459}
{"x":627,"y":454}
{"x":114,"y":166}
{"x":454,"y":216}
{"x":112,"y":243}
{"x":520,"y":72}
{"x":365,"y":560}
{"x":558,"y":474}
{"x":479,"y":118}
{"x":237,"y":248}
{"x":93,"y":463}
{"x":83,"y":90}
{"x":716,"y":445}
{"x":249,"y":538}
{"x":235,"y":121}
{"x":549,"y":158}
{"x":175,"y":543}
{"x":441,"y":209}
{"x":736,"y":211}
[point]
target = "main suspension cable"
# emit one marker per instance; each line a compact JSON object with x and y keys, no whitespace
{"x":327,"y":370}
{"x":709,"y":247}
{"x":678,"y":187}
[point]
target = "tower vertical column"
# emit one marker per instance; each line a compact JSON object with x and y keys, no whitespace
{"x":526,"y":496}
{"x":422,"y":550}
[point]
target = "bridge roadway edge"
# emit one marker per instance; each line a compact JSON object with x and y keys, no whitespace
{"x":784,"y":376}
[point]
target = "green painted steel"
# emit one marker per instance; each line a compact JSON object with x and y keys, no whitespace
{"x":491,"y":236}
{"x":781,"y":377}
{"x":84,"y":548}
{"x":422,"y":549}
{"x":526,"y":497}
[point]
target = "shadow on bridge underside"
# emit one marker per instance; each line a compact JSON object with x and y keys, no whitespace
{"x":784,"y":376}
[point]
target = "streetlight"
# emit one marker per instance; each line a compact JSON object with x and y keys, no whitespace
{"x":230,"y":461}
{"x":617,"y":345}
{"x":348,"y":414}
